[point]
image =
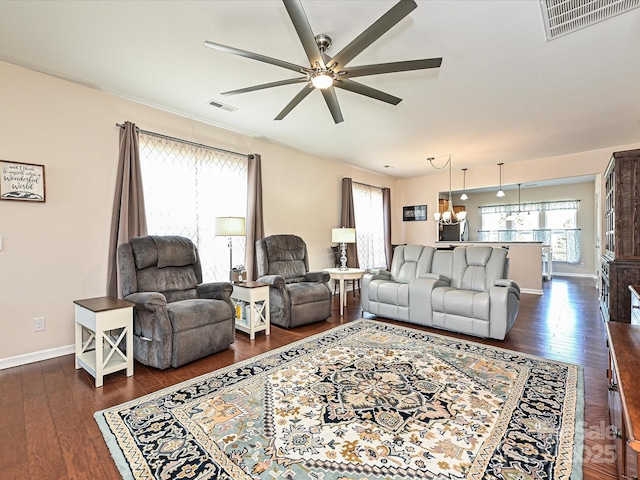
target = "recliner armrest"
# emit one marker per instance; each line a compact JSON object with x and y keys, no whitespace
{"x":318,"y":277}
{"x":505,"y":282}
{"x":435,"y":276}
{"x":275,"y":280}
{"x":147,"y":300}
{"x":215,"y":290}
{"x":377,"y":274}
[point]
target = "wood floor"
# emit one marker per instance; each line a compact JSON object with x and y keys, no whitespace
{"x":47,"y":430}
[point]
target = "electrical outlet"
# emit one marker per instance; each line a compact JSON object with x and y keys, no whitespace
{"x":39,"y":324}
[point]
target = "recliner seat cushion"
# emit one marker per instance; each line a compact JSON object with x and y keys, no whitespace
{"x":301,"y":293}
{"x":392,"y":293}
{"x":190,"y":314}
{"x":465,"y":303}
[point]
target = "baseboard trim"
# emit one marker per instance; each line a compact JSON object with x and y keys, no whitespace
{"x":36,"y":356}
{"x":532,"y":291}
{"x":568,"y":274}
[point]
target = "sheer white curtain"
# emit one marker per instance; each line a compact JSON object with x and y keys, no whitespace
{"x":369,"y":213}
{"x":186,"y":186}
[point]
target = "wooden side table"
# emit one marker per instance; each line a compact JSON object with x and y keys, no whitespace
{"x":256,"y":296}
{"x":98,"y":353}
{"x":341,"y":276}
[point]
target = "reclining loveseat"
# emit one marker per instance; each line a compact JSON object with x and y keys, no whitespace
{"x":464,"y":290}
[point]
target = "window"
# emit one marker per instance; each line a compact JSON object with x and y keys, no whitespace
{"x":561,"y":222}
{"x":368,"y":207}
{"x":510,"y":223}
{"x":185,"y":187}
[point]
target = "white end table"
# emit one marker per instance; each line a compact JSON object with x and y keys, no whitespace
{"x":256,"y":295}
{"x":341,"y":276}
{"x":100,"y":354}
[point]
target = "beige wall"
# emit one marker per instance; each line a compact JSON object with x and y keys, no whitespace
{"x":56,"y":252}
{"x":586,"y":218}
{"x":424,"y":190}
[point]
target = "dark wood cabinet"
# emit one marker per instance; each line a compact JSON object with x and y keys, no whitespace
{"x":620,"y":264}
{"x":624,"y":396}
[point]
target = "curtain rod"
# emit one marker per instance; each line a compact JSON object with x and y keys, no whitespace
{"x":367,"y":185}
{"x":187,"y":142}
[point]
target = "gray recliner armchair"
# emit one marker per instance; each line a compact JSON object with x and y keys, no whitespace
{"x":177,"y":318}
{"x":296,"y":296}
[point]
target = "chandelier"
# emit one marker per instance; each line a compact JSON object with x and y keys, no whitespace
{"x":448,"y":217}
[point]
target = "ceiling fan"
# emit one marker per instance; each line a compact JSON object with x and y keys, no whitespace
{"x":327,"y":73}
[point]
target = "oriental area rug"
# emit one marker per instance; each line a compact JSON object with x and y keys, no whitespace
{"x":364,"y":401}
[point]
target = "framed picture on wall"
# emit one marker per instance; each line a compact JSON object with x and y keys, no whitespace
{"x":21,"y":181}
{"x":414,"y":213}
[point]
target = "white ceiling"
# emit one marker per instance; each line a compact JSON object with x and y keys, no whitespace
{"x":502,"y":94}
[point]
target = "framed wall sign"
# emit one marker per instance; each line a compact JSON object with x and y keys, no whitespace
{"x":21,"y":181}
{"x":413,"y":213}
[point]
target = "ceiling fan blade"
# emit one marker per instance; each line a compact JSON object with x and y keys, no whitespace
{"x":303,"y":28}
{"x":265,"y":85}
{"x":392,"y":67}
{"x":331,"y":98}
{"x":255,"y":56}
{"x":292,"y":104}
{"x":375,"y":31}
{"x":356,"y":87}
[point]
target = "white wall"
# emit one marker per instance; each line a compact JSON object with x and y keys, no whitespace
{"x":56,"y":252}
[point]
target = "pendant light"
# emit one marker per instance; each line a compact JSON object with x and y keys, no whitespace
{"x":464,"y":195}
{"x":500,"y":193}
{"x":449,"y":217}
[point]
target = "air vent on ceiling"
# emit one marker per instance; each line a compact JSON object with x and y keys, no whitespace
{"x":565,"y":16}
{"x":223,"y":106}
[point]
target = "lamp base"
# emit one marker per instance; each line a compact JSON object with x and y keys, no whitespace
{"x":343,"y":257}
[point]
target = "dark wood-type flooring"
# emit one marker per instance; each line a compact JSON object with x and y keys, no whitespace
{"x":47,"y":429}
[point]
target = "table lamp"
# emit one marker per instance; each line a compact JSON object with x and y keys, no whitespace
{"x":343,"y":236}
{"x":230,"y":227}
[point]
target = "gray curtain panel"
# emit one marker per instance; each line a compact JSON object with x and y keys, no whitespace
{"x":386,"y":218}
{"x":128,"y":219}
{"x":348,"y":220}
{"x":255,"y":220}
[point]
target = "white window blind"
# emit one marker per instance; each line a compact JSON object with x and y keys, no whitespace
{"x":185,"y":187}
{"x":368,"y":207}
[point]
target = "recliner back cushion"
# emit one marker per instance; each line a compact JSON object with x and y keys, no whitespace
{"x":168,"y":265}
{"x":477,"y":268}
{"x":286,"y":256}
{"x":169,"y":281}
{"x":409,"y":261}
{"x":175,"y":251}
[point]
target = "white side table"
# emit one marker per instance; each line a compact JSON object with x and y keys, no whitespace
{"x":256,"y":295}
{"x":96,"y":351}
{"x":341,"y":276}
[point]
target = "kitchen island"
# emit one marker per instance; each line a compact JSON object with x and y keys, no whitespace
{"x":525,"y":261}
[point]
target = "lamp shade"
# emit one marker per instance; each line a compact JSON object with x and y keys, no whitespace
{"x":343,"y":235}
{"x":230,"y":226}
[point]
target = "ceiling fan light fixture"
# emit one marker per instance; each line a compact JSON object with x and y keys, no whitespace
{"x":322,"y":79}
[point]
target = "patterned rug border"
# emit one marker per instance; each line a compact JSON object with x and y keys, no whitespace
{"x":122,"y":465}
